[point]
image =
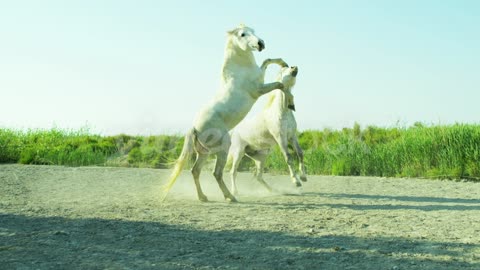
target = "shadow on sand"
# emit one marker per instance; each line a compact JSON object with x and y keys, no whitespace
{"x":416,"y":199}
{"x":58,"y":243}
{"x":384,"y":203}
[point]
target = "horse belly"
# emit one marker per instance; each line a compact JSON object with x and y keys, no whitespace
{"x":260,"y":139}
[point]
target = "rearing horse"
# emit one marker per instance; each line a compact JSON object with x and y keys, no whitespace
{"x":242,"y":84}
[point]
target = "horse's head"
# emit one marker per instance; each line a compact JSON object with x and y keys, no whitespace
{"x":288,"y":76}
{"x":244,"y":38}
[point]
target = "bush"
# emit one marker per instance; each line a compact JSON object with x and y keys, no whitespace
{"x":135,"y":156}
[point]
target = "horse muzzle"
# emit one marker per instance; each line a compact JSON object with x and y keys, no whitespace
{"x":261,"y":45}
{"x":294,"y":71}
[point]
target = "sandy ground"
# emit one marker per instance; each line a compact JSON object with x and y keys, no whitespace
{"x":110,"y":218}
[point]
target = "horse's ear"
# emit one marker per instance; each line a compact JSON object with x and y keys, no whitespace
{"x":234,"y":31}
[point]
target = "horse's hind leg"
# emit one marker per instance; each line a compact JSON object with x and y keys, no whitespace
{"x":259,"y":160}
{"x":299,"y":152}
{"x":197,"y":168}
{"x":218,"y":173}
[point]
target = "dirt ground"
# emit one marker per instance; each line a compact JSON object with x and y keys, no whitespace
{"x":55,"y":217}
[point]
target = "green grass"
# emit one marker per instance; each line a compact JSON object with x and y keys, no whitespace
{"x":437,"y":151}
{"x":74,"y":148}
{"x":447,"y":152}
{"x":80,"y":148}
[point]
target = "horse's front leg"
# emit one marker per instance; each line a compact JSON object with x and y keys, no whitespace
{"x":268,"y":87}
{"x":283,"y":143}
{"x":278,"y":61}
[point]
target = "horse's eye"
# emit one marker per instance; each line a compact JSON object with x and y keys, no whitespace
{"x":242,"y":35}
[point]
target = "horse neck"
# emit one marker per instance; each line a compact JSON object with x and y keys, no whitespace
{"x":276,"y":101}
{"x":238,"y":57}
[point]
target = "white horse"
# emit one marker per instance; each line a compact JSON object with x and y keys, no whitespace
{"x":242,"y":84}
{"x":274,"y":125}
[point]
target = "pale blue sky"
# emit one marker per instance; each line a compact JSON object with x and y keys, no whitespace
{"x":147,"y":67}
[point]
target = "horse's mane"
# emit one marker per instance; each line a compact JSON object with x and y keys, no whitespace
{"x":273,"y":94}
{"x":272,"y":97}
{"x":269,"y":103}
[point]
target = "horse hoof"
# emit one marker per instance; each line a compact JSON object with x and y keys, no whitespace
{"x":303,"y":178}
{"x":231,"y":199}
{"x":203,"y":198}
{"x":298,"y":184}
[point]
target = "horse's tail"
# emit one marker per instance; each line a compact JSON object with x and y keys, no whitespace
{"x":184,"y":157}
